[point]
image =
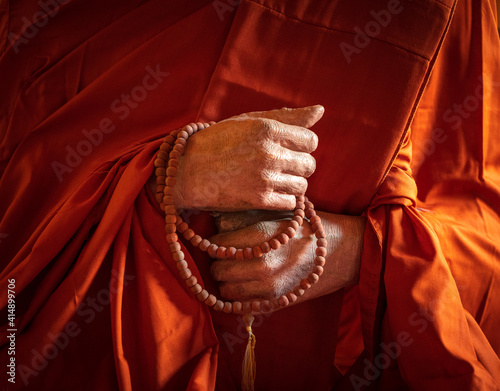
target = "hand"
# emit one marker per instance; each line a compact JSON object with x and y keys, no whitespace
{"x":279,"y":271}
{"x":257,"y":160}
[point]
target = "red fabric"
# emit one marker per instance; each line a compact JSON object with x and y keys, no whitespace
{"x":85,"y":237}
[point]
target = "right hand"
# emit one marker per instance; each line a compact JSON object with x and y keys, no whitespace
{"x":257,"y":160}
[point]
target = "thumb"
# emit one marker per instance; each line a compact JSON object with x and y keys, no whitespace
{"x":305,"y":117}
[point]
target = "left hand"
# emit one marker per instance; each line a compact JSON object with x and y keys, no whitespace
{"x":281,"y":270}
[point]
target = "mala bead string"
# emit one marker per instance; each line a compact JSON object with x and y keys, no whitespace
{"x":166,"y":163}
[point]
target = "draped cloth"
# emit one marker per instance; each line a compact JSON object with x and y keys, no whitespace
{"x":90,"y":89}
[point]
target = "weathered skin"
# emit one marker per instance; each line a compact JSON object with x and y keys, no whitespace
{"x":257,"y":160}
{"x":257,"y":163}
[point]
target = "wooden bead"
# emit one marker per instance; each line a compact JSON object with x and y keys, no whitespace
{"x":265,"y":306}
{"x":196,"y":289}
{"x":316,"y":227}
{"x":181,"y":265}
{"x":196,"y":240}
{"x":308,"y":205}
{"x":200,"y":126}
{"x":178,"y":220}
{"x":212,"y":250}
{"x":299,"y":291}
{"x":299,"y":205}
{"x":162,"y":155}
{"x":290,"y":232}
{"x":170,"y":210}
{"x":256,"y":306}
{"x":320,"y":234}
{"x":171,"y":171}
{"x":309,"y":213}
{"x":321,"y":251}
{"x":173,"y":163}
{"x":189,"y":129}
{"x":181,"y":141}
{"x":219,"y":305}
{"x":248,"y":253}
{"x":237,"y":307}
{"x":265,"y":247}
{"x":275,"y":304}
{"x":160,"y":180}
{"x":170,"y":219}
{"x":228,"y":307}
{"x":315,"y":220}
{"x":185,"y":274}
{"x":159,"y":197}
{"x":159,"y":188}
{"x":292,"y":297}
{"x":294,"y":224}
{"x":172,"y":238}
{"x":176,"y":246}
{"x":211,"y":300}
{"x":203,"y":295}
{"x":169,"y":139}
{"x":182,"y":227}
{"x":240,"y":256}
{"x":160,"y":171}
{"x":275,"y":244}
{"x":313,"y":278}
{"x":159,"y":163}
{"x":305,"y":284}
{"x":191,"y":281}
{"x":257,"y":252}
{"x":247,"y":307}
{"x":170,"y":228}
{"x":299,"y":212}
{"x":221,"y":252}
{"x":174,"y":154}
{"x":321,"y":242}
{"x":188,"y":234}
{"x":204,"y":245}
{"x":183,"y":134}
{"x":178,"y":255}
{"x":298,"y":219}
{"x":231,"y":252}
{"x":283,"y":238}
{"x":170,"y":181}
{"x":180,"y":148}
{"x":283,"y":300}
{"x":320,"y":261}
{"x":318,"y":270}
{"x":169,"y":191}
{"x":300,"y":198}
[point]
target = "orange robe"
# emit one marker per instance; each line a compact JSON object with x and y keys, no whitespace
{"x":88,"y":91}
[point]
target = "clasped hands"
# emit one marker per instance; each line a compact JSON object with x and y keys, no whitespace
{"x":261,"y":161}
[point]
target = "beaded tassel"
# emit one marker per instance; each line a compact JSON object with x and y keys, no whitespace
{"x":249,"y":366}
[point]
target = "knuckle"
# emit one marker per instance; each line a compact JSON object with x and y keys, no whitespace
{"x":267,"y":128}
{"x":215,"y":271}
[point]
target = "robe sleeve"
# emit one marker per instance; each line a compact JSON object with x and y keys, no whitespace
{"x":413,"y":308}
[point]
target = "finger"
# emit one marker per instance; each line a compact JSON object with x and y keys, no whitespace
{"x":292,"y":137}
{"x":246,"y":290}
{"x":287,"y":184}
{"x":303,"y":116}
{"x":232,"y":221}
{"x":231,"y":270}
{"x":249,"y":236}
{"x":292,"y":162}
{"x":275,"y":201}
